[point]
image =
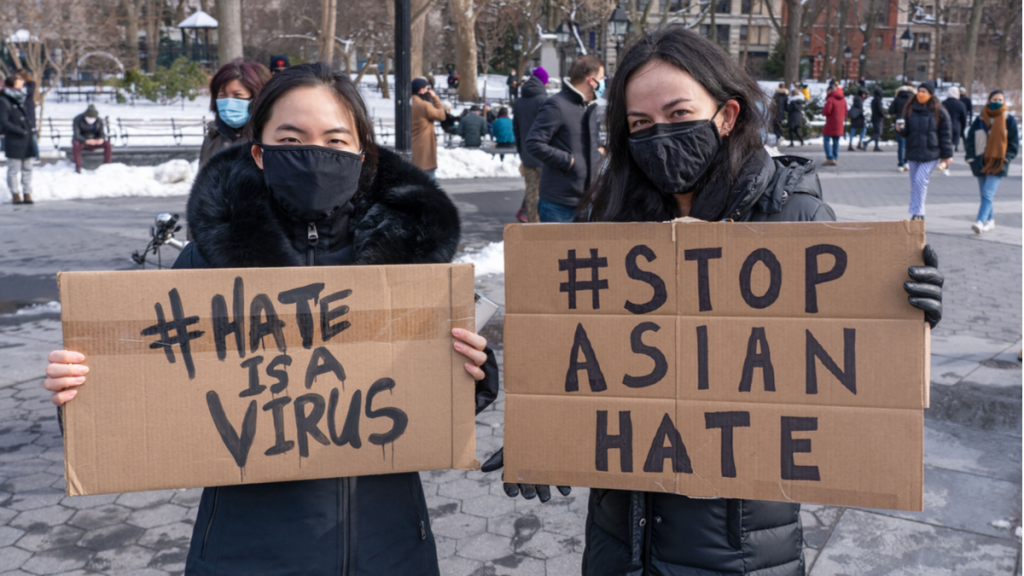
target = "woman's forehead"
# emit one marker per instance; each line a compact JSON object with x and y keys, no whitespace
{"x":659,"y":83}
{"x":312,"y":104}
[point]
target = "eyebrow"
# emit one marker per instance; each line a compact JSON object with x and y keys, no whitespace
{"x":337,"y":130}
{"x":667,"y":105}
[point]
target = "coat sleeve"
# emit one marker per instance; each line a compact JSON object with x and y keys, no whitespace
{"x":969,"y":143}
{"x":1013,"y":138}
{"x":538,"y":141}
{"x":435,"y":111}
{"x":76,"y":130}
{"x":945,"y":134}
{"x":517,"y":136}
{"x":483,"y":128}
{"x":827,"y":108}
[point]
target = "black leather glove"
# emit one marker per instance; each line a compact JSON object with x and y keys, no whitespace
{"x":926,"y":289}
{"x":529,"y":491}
{"x":487,"y":389}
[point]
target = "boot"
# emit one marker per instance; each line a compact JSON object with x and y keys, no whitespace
{"x":850,"y":147}
{"x":28,"y":198}
{"x":16,"y":199}
{"x":877,"y":149}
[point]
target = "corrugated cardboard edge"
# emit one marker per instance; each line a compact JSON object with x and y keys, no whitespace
{"x":73,"y":487}
{"x":461,"y":283}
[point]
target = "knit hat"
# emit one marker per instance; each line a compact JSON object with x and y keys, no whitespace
{"x":541,"y":74}
{"x":954,"y":92}
{"x":929,"y":86}
{"x":419,"y":84}
{"x":279,"y":62}
{"x":91,"y":112}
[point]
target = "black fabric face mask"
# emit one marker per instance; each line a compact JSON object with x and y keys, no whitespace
{"x":674,"y":156}
{"x":311,"y":182}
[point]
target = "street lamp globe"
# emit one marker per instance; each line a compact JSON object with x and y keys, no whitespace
{"x":847,"y":53}
{"x":907,"y":40}
{"x":517,"y":45}
{"x":561,"y":36}
{"x":619,"y":22}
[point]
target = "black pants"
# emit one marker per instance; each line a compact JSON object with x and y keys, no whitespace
{"x":794,"y":135}
{"x":876,"y":132}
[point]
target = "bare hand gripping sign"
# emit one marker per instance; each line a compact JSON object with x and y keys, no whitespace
{"x":763,"y":361}
{"x":206,"y":378}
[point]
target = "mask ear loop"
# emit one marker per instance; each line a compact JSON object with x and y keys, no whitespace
{"x":712,"y":119}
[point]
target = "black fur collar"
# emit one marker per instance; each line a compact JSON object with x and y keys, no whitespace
{"x":402,"y":217}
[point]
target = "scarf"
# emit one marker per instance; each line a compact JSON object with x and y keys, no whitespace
{"x":995,"y":148}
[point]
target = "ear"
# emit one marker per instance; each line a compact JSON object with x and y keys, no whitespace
{"x":726,"y":119}
{"x":257,"y":155}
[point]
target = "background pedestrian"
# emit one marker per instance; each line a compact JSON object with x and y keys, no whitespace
{"x":426,"y":109}
{"x":795,"y":117}
{"x":30,"y":106}
{"x":472,"y":128}
{"x":781,"y":98}
{"x":278,"y":63}
{"x":858,"y":124}
{"x":834,"y":111}
{"x":992,"y":142}
{"x":504,"y":135}
{"x":89,"y":132}
{"x":896,"y":107}
{"x":957,"y":115}
{"x":927,"y":129}
{"x":877,"y":118}
{"x":513,"y":85}
{"x":18,"y":145}
{"x":232,"y":90}
{"x":524,"y":112}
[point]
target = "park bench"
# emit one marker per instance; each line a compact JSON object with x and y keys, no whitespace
{"x":58,"y":129}
{"x":501,"y":151}
{"x":91,"y":93}
{"x":173,"y":127}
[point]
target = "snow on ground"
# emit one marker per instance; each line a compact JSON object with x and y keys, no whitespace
{"x":59,"y":182}
{"x":488,"y":260}
{"x":52,"y":307}
{"x":470,"y":163}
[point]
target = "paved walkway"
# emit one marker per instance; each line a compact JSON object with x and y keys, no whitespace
{"x":972,"y":431}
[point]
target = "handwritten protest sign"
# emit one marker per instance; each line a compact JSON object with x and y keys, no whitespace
{"x":764,"y":361}
{"x":215,"y":377}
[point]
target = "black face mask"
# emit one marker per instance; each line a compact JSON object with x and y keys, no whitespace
{"x":674,"y":156}
{"x":311,"y":182}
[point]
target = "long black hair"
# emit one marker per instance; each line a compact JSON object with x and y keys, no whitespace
{"x":311,"y":76}
{"x":622,"y":193}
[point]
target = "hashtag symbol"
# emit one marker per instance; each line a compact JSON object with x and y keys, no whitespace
{"x":182,"y":336}
{"x":595,"y":284}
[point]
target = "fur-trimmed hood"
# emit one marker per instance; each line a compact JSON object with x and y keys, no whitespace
{"x":401,"y":217}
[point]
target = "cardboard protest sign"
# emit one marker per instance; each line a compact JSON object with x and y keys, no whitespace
{"x":763,"y":361}
{"x":217,"y":377}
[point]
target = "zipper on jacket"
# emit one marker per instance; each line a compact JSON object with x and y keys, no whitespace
{"x":314,"y":239}
{"x":209,"y":523}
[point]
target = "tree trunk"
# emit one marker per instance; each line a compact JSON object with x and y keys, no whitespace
{"x":1003,"y":59}
{"x":937,"y":44}
{"x":746,"y":43}
{"x":420,"y":8}
{"x":869,"y":34}
{"x":794,"y":42}
{"x":152,"y":35}
{"x":839,"y":63}
{"x":131,"y":56}
{"x":328,"y":25}
{"x":464,"y":13}
{"x":714,"y":28}
{"x":204,"y":6}
{"x":229,"y":31}
{"x":972,"y":45}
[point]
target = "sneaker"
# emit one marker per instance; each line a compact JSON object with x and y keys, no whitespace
{"x":990,"y":225}
{"x":916,"y":217}
{"x":946,"y":171}
{"x":978,"y":227}
{"x":521,"y":215}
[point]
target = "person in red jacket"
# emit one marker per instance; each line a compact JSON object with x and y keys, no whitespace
{"x":835,"y":114}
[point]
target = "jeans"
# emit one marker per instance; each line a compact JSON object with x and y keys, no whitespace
{"x":551,"y":212}
{"x":920,"y":173}
{"x":876,"y":132}
{"x":831,"y":147}
{"x":987,"y":185}
{"x":863,"y":134}
{"x":77,"y":147}
{"x":901,"y":153}
{"x":18,"y":169}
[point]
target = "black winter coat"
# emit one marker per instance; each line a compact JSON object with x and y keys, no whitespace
{"x":796,"y":113}
{"x":781,"y":98}
{"x":957,"y":117}
{"x":16,"y":129}
{"x":219,"y":136}
{"x":968,"y":106}
{"x":363,"y":526}
{"x":928,"y":134}
{"x":856,"y":118}
{"x":524,"y":112}
{"x":656,"y":534}
{"x":564,"y":132}
{"x":877,"y":108}
{"x":900,"y":102}
{"x":82,"y":130}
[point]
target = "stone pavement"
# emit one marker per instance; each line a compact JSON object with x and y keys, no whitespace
{"x":972,"y":431}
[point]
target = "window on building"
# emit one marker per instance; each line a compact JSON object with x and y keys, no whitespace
{"x":723,"y":6}
{"x":723,"y":32}
{"x":674,"y":5}
{"x":923,"y":41}
{"x":807,"y":41}
{"x":929,"y":10}
{"x":879,"y":42}
{"x":757,"y":6}
{"x":759,"y":35}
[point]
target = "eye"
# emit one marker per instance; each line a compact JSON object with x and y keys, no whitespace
{"x":638,"y":123}
{"x":337,"y":142}
{"x":290,"y":140}
{"x":680,"y":113}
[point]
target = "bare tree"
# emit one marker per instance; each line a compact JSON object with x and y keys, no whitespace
{"x":131,"y":53}
{"x":464,"y":14}
{"x":971,"y":41}
{"x":328,"y":25}
{"x":801,"y":16}
{"x":229,"y":30}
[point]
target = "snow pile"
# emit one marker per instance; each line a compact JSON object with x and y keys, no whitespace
{"x":59,"y":181}
{"x":52,"y":307}
{"x":471,"y":163}
{"x":1001,"y":524}
{"x":489,"y":260}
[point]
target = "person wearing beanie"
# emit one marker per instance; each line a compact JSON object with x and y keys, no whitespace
{"x":426,"y":109}
{"x":957,"y":115}
{"x":278,"y":62}
{"x":795,"y":120}
{"x":18,"y":144}
{"x":781,"y":99}
{"x":89,"y":133}
{"x":858,"y":123}
{"x":834,"y":112}
{"x":524,"y":111}
{"x":927,"y":129}
{"x":903,"y":96}
{"x":877,"y":119}
{"x":991,"y":144}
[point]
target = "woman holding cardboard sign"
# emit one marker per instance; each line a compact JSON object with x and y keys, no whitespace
{"x":684,"y":126}
{"x":313,"y":189}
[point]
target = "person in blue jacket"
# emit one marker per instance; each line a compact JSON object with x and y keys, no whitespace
{"x":503,"y":133}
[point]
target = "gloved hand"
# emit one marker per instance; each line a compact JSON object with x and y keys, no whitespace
{"x":529,"y":491}
{"x":926,"y":289}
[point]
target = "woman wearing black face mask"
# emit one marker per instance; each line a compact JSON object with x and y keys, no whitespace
{"x":313,"y":189}
{"x":684,"y":139}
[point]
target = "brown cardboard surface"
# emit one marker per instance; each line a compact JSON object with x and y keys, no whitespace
{"x":762,"y":327}
{"x":146,"y":420}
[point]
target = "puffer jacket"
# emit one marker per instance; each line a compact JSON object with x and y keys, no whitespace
{"x":654,"y":534}
{"x":219,"y":136}
{"x":363,"y":526}
{"x":977,"y":139}
{"x":524,"y":112}
{"x":834,"y":112}
{"x":928,"y":133}
{"x":796,"y":112}
{"x":15,"y":127}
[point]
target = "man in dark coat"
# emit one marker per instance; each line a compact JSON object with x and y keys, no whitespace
{"x":957,"y":115}
{"x":896,"y":108}
{"x":858,"y":125}
{"x":89,"y":133}
{"x":965,"y":99}
{"x":472,"y":128}
{"x":523,"y":114}
{"x":364,"y":525}
{"x":781,"y":98}
{"x":18,"y":145}
{"x":877,"y":118}
{"x":564,"y":137}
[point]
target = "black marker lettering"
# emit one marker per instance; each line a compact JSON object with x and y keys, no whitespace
{"x":847,"y":376}
{"x":638,"y":346}
{"x":274,"y":372}
{"x":633,"y":271}
{"x":790,"y":446}
{"x":675,"y":451}
{"x":755,"y":359}
{"x":323,"y":362}
{"x":580,"y":343}
{"x":595,"y":285}
{"x":222,"y":327}
{"x":702,"y":255}
{"x":303,"y":314}
{"x":182,"y":336}
{"x":399,"y":418}
{"x":765,"y":256}
{"x":327,"y":331}
{"x":727,"y":421}
{"x":238,"y":444}
{"x":253,"y":364}
{"x":307,"y":424}
{"x":276,"y":406}
{"x":350,"y":433}
{"x":261,"y":305}
{"x":702,"y":357}
{"x":605,"y":442}
{"x":812,"y":277}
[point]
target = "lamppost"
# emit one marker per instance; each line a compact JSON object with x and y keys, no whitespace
{"x":907,"y":44}
{"x":619,"y":26}
{"x":517,"y":47}
{"x":561,"y":38}
{"x":847,"y":55}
